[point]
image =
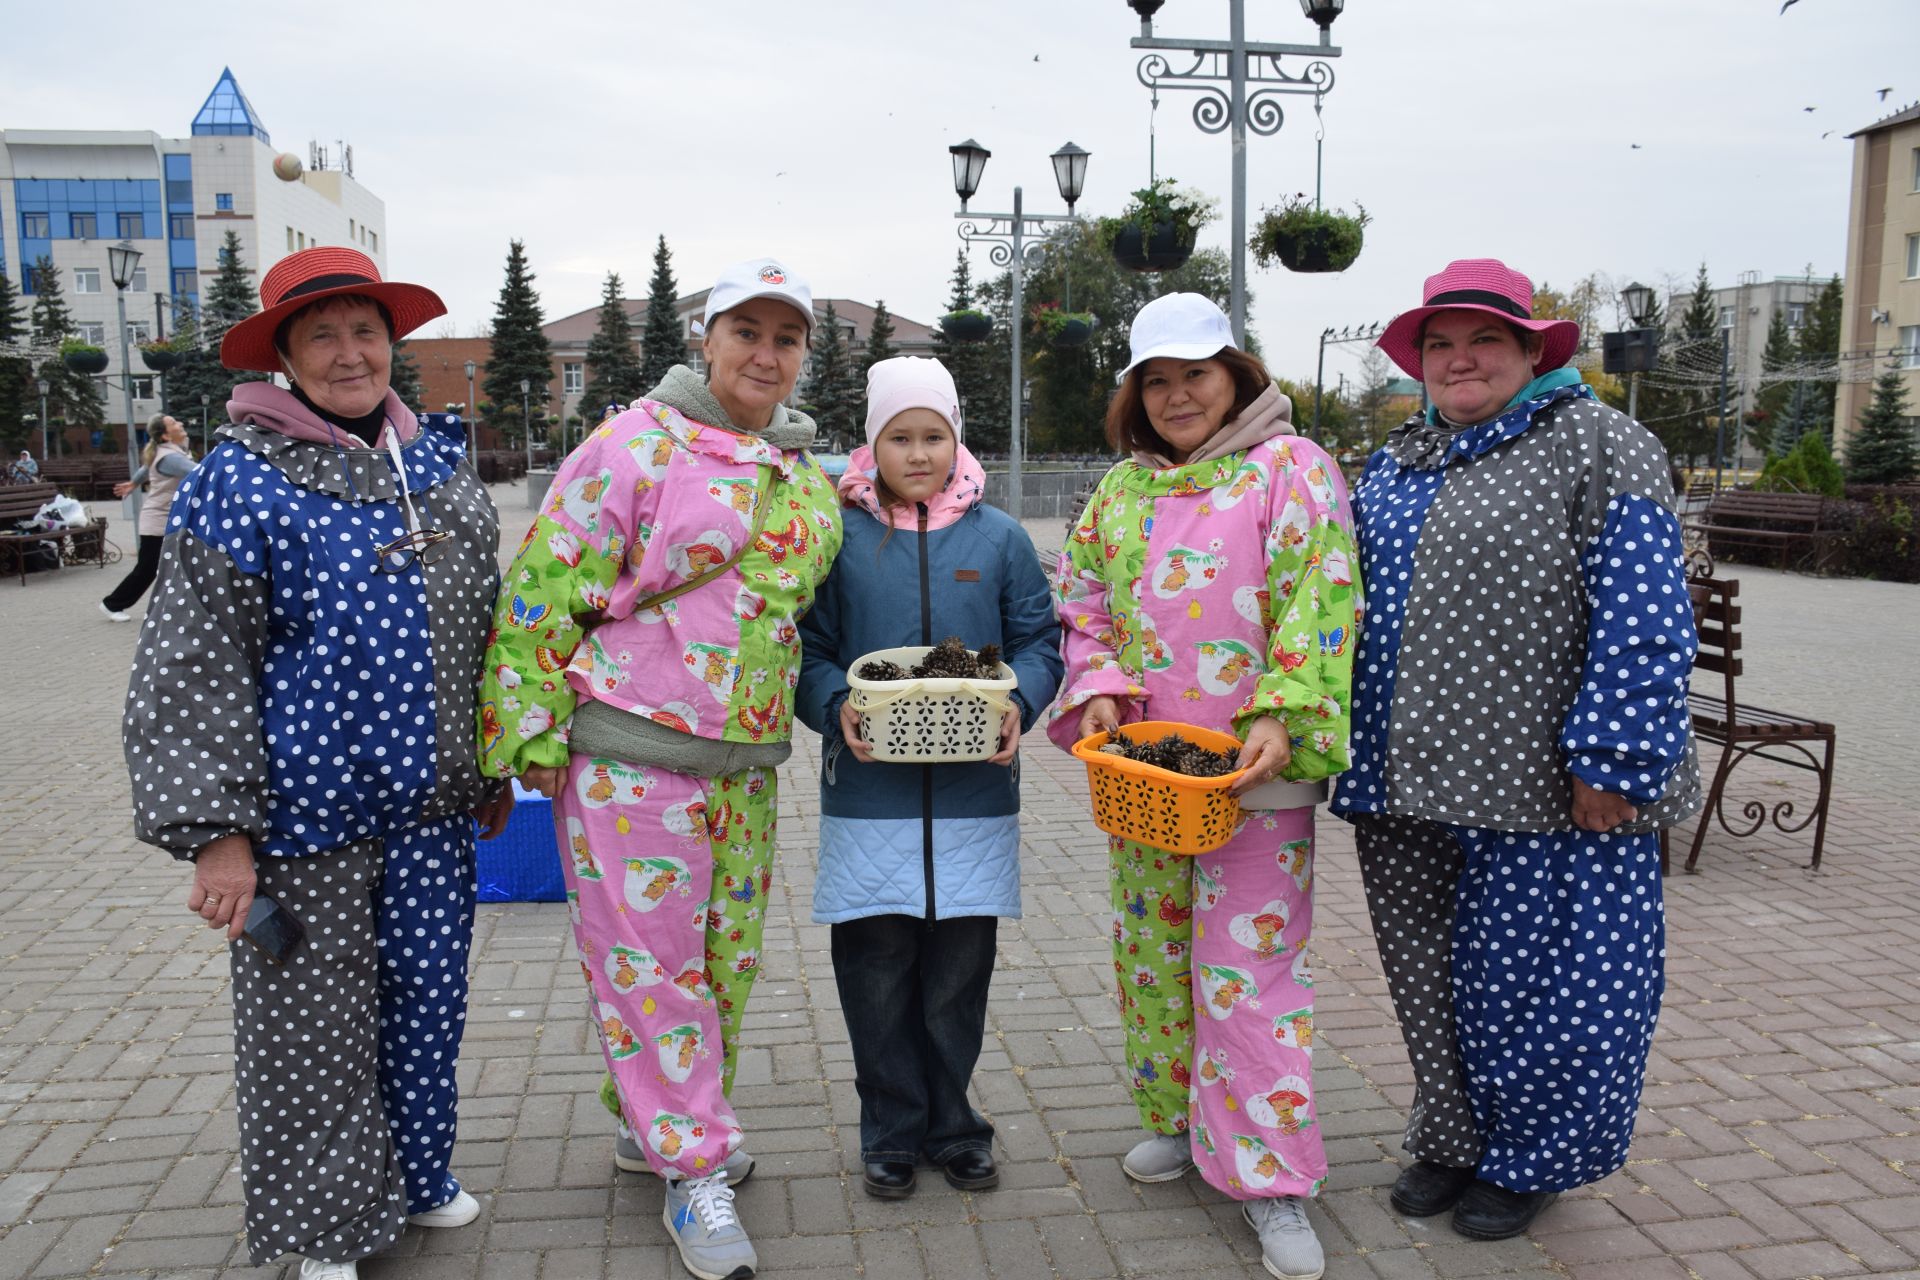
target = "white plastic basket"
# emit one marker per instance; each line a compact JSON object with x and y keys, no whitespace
{"x":946,"y":721}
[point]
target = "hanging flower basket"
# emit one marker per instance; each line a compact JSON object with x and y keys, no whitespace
{"x":160,"y":357}
{"x":966,"y":326}
{"x":1062,"y":329}
{"x":83,"y":358}
{"x":1156,"y":231}
{"x":1302,"y":238}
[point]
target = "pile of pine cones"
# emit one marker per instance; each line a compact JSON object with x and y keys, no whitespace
{"x":1176,"y":755}
{"x":949,"y":660}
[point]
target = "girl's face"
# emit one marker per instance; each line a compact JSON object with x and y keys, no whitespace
{"x":914,"y":454}
{"x":1187,"y":401}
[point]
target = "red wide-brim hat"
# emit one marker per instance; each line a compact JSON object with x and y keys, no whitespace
{"x":1478,"y":284}
{"x":326,"y":271}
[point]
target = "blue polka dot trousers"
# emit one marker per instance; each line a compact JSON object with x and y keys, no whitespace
{"x":1527,"y":970}
{"x":345,"y":1055}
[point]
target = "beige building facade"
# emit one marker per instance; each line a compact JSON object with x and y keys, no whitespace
{"x":1880,"y":319}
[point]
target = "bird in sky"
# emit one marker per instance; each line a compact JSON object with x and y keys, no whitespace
{"x":1634,"y":145}
{"x":1827,"y":134}
{"x":1807,"y":108}
{"x":1884,"y":92}
{"x":1788,"y":5}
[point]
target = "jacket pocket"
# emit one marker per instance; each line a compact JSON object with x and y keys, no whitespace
{"x":835,"y":745}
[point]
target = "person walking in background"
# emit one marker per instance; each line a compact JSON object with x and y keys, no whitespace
{"x":164,"y":463}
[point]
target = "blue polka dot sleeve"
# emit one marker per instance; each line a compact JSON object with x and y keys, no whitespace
{"x":1627,"y":730}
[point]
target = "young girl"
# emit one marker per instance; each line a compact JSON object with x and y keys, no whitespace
{"x":1210,"y":581}
{"x":917,"y":862}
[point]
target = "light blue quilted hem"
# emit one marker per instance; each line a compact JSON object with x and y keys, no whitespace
{"x":875,"y":866}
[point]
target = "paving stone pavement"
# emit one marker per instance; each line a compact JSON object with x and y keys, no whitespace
{"x":1779,"y":1138}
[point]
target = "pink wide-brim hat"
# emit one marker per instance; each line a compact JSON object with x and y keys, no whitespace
{"x":1478,"y":284}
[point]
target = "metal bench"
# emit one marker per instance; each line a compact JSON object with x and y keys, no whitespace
{"x":1785,"y":524}
{"x":22,"y":502}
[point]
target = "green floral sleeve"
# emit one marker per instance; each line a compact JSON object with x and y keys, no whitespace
{"x":1314,"y":603}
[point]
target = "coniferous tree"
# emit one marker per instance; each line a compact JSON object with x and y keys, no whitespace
{"x":979,"y":369}
{"x":1770,"y":402}
{"x":1820,"y":346}
{"x":520,"y":351}
{"x":879,"y":340}
{"x":1881,"y":449}
{"x":1690,"y":433}
{"x":833,"y":392}
{"x":228,"y":300}
{"x":613,"y":362}
{"x":662,"y":345}
{"x":17,"y":392}
{"x":73,"y":398}
{"x":405,"y":378}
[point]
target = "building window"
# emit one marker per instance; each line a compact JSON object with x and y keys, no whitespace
{"x":1796,"y":314}
{"x":83,"y":226}
{"x":138,"y":331}
{"x":352,"y":229}
{"x":180,"y":226}
{"x":697,"y":362}
{"x":289,"y":239}
{"x":1910,"y":346}
{"x":573,"y":379}
{"x":86,"y":279}
{"x":373,"y":241}
{"x":223,"y":201}
{"x":185,"y":281}
{"x":1916,"y":168}
{"x":1726,"y":317}
{"x":133,"y":226}
{"x":1913,"y":256}
{"x":93,"y":333}
{"x":139,"y":282}
{"x":35,"y":226}
{"x":142,"y":386}
{"x":301,"y":237}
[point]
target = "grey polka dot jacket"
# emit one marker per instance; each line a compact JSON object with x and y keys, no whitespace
{"x":1527,"y":621}
{"x":282,"y":686}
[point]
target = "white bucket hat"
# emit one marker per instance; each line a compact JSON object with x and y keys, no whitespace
{"x":1185,"y":326}
{"x":758,"y":278}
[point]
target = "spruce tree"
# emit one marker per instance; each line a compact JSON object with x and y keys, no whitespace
{"x":18,"y":397}
{"x":1820,"y":346}
{"x":662,"y":345}
{"x":1770,"y":401}
{"x":613,"y":363}
{"x":1690,"y":433}
{"x":227,"y":301}
{"x":833,"y":392}
{"x":979,"y":369}
{"x":879,"y":340}
{"x":520,"y":351}
{"x":404,"y":377}
{"x":75,"y":399}
{"x":1881,"y":449}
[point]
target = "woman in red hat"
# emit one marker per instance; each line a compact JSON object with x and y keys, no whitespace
{"x":299,"y":727}
{"x":1519,"y":733}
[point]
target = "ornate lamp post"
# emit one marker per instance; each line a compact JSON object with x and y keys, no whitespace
{"x":1633,"y":351}
{"x":1007,"y":233}
{"x":473,"y":431}
{"x":526,"y":418}
{"x":1238,"y":64}
{"x":45,"y":387}
{"x":122,"y":258}
{"x":206,"y":410}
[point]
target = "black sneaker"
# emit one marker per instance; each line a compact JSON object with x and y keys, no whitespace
{"x":1487,"y":1212}
{"x":1427,"y":1187}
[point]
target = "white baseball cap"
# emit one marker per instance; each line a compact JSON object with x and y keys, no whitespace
{"x":758,"y":278}
{"x":1185,"y":326}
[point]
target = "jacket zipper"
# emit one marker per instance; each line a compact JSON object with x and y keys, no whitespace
{"x":926,"y":770}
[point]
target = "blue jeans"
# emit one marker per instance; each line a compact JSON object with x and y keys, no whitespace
{"x":915,"y":1002}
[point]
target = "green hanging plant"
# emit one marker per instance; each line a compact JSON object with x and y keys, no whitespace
{"x":966,"y":326}
{"x":1302,"y":237}
{"x":1157,"y":229}
{"x":1059,"y":328}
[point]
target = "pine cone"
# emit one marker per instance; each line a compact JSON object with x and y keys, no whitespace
{"x":882,"y":671}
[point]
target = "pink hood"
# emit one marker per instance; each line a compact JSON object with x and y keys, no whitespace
{"x":963,"y":491}
{"x":272,"y":408}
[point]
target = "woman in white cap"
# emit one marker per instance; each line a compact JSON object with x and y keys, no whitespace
{"x":642,"y":669}
{"x":1210,"y":582}
{"x":917,"y":862}
{"x":1519,"y":733}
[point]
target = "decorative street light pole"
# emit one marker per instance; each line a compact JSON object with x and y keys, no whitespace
{"x":526,"y":418}
{"x":206,"y":410}
{"x":1238,"y":64}
{"x":1007,"y":233}
{"x":122,"y":258}
{"x":45,"y":387}
{"x":1361,"y":333}
{"x":1638,"y":299}
{"x":473,"y":431}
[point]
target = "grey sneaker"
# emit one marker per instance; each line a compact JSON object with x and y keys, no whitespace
{"x":1288,"y":1246}
{"x":1161,"y":1158}
{"x":713,"y":1245}
{"x":629,"y":1158}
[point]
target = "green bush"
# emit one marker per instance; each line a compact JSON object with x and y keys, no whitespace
{"x":1882,"y":543}
{"x":1807,"y":468}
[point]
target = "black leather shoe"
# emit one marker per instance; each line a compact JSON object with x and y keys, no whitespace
{"x":1427,"y":1187}
{"x":889,"y":1179}
{"x":1487,"y":1212}
{"x":972,"y":1170}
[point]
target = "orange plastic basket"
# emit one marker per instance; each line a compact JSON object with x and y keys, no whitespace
{"x":1155,"y":806}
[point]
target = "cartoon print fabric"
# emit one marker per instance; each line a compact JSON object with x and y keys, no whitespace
{"x":1216,"y":1001}
{"x":667,"y":878}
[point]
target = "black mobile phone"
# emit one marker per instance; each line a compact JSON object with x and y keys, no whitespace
{"x":273,"y":929}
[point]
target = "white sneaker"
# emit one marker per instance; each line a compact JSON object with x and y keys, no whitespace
{"x":629,"y":1158}
{"x":1161,"y":1158}
{"x":313,"y":1269}
{"x":712,"y":1243}
{"x":1288,"y":1247}
{"x":457,"y":1212}
{"x":115,"y":615}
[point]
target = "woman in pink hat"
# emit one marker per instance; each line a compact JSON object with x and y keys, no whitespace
{"x":298,"y":728}
{"x":1520,"y":733}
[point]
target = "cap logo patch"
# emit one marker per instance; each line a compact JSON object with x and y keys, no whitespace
{"x":772,"y":275}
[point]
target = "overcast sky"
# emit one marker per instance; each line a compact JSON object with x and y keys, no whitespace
{"x":818,"y":132}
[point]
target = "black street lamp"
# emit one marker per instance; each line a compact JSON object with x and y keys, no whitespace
{"x":1322,"y":12}
{"x":206,"y":409}
{"x":45,"y":387}
{"x":1634,"y":350}
{"x":122,"y":259}
{"x":969,"y":162}
{"x":1638,"y":299}
{"x":526,"y":418}
{"x":473,"y":430}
